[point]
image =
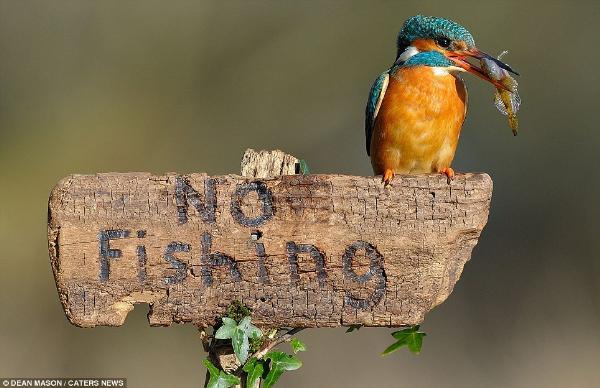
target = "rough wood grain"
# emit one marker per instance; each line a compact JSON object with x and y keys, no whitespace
{"x":301,"y":251}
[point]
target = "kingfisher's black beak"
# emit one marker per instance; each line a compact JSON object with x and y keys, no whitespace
{"x":460,"y":58}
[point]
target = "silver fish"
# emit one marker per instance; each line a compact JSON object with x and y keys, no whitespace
{"x":507,"y":101}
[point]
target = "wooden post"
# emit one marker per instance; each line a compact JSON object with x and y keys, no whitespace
{"x":299,"y":250}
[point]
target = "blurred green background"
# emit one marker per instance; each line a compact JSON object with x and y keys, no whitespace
{"x":91,"y":86}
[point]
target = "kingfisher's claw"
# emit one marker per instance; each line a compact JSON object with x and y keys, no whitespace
{"x":449,"y":172}
{"x":388,"y":175}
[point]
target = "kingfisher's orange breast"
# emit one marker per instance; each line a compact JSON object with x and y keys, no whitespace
{"x":419,"y":121}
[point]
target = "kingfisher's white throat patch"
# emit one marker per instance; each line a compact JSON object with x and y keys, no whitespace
{"x":407,"y":53}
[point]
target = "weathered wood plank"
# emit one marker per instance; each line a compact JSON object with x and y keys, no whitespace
{"x":301,"y":251}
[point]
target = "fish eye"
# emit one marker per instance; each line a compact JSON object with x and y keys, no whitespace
{"x":443,"y":42}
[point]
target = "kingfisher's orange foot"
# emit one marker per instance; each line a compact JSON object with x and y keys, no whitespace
{"x":449,"y":172}
{"x":388,"y":175}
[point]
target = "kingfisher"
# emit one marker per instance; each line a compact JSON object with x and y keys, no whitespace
{"x":416,"y":108}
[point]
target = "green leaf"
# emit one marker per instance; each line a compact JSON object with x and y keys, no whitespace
{"x":283,"y":360}
{"x":241,"y":345}
{"x":255,"y":369}
{"x":219,"y":378}
{"x":239,"y":335}
{"x":279,"y":363}
{"x":227,"y":330}
{"x":272,"y":377}
{"x":249,"y":329}
{"x":416,"y":342}
{"x":392,"y":348}
{"x":213,"y":370}
{"x":297,"y":345}
{"x":352,"y":328}
{"x":411,"y":337}
{"x":224,"y":380}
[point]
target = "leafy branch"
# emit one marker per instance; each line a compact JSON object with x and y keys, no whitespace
{"x":256,"y":359}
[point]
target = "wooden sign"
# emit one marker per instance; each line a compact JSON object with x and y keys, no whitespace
{"x":300,"y":250}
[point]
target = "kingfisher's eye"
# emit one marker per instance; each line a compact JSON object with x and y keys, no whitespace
{"x":443,"y":42}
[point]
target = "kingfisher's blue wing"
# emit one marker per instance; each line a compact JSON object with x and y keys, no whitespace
{"x":373,"y":104}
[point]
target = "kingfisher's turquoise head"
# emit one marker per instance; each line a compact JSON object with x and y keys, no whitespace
{"x":438,"y":42}
{"x":446,"y":33}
